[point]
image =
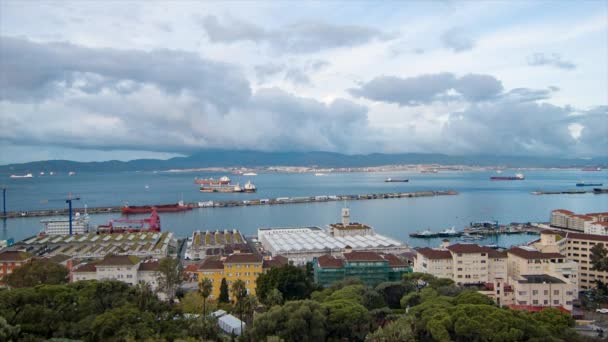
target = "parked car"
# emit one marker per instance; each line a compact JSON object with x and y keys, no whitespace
{"x":602,"y":311}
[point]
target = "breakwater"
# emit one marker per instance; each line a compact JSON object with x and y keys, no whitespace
{"x":223,"y":204}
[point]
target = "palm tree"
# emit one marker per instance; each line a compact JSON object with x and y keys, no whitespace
{"x":204,"y":288}
{"x":239,"y":291}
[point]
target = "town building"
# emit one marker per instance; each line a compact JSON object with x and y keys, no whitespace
{"x":126,"y":268}
{"x":11,"y":260}
{"x":466,"y":264}
{"x":219,"y":242}
{"x":567,"y":219}
{"x":96,"y":246}
{"x":61,"y":226}
{"x":370,"y":267}
{"x":347,"y":228}
{"x":577,"y":248}
{"x":521,"y":277}
{"x":244,"y":266}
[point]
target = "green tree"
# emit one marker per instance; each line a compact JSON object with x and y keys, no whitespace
{"x":239,"y":292}
{"x":37,"y":272}
{"x":393,"y":292}
{"x":599,"y":257}
{"x":123,"y":323}
{"x":224,"y":296}
{"x":302,"y":320}
{"x":291,"y":281}
{"x":204,"y":288}
{"x":400,"y":330}
{"x":274,"y":297}
{"x":169,"y":276}
{"x":346,"y":319}
{"x":7,"y":331}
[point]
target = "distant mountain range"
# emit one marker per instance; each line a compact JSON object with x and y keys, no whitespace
{"x":219,"y":158}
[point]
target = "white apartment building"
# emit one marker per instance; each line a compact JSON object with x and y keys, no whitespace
{"x":126,"y":268}
{"x":567,"y":219}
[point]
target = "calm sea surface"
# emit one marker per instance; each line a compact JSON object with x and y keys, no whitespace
{"x":479,"y":200}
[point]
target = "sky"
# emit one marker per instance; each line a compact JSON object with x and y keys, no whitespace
{"x":100,"y":80}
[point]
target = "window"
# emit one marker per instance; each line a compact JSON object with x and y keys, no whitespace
{"x":555,"y":302}
{"x":535,"y":301}
{"x":546,"y":292}
{"x":556,"y":292}
{"x":534,"y":292}
{"x":546,"y":302}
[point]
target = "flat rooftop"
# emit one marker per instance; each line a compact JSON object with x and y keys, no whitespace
{"x":284,"y":240}
{"x":540,"y":279}
{"x":353,"y":226}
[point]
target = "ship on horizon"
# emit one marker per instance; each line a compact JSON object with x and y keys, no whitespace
{"x":29,"y":175}
{"x":583,"y":183}
{"x":224,"y":180}
{"x":591,"y":169}
{"x":518,"y":176}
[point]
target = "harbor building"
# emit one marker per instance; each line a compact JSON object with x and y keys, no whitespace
{"x":219,"y":242}
{"x":302,"y":245}
{"x":61,"y":226}
{"x":126,"y":268}
{"x":567,"y":219}
{"x":370,"y":267}
{"x":577,"y":248}
{"x":244,"y":266}
{"x":11,"y":260}
{"x":346,"y":228}
{"x":145,"y":244}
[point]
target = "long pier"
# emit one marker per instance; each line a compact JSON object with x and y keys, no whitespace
{"x":224,"y":204}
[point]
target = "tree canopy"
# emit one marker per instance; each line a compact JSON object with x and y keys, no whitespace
{"x":291,"y":281}
{"x":37,"y":272}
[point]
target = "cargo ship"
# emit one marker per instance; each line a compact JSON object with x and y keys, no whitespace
{"x":210,"y":181}
{"x":162,"y":208}
{"x":391,"y":180}
{"x":600,"y":191}
{"x":249,"y":187}
{"x":591,"y":169}
{"x":583,"y":183}
{"x":518,"y":176}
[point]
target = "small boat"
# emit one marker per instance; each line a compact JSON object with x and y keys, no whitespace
{"x":250,"y":174}
{"x":51,"y":173}
{"x":583,"y":183}
{"x":29,"y":175}
{"x":71,"y":173}
{"x":42,"y":173}
{"x":391,"y":180}
{"x":250,"y":187}
{"x":427,"y":233}
{"x":451,"y":232}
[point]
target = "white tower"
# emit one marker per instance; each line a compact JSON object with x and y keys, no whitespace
{"x":345,"y":217}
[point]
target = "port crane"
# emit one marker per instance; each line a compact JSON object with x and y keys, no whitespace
{"x":69,"y":201}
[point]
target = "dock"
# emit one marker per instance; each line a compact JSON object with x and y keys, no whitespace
{"x":252,"y":202}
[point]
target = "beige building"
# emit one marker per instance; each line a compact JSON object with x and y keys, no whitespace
{"x":567,"y":219}
{"x":464,"y":263}
{"x":530,"y":261}
{"x":347,"y":228}
{"x":126,"y":268}
{"x":577,"y":248}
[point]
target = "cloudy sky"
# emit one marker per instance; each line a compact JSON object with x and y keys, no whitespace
{"x":98,"y":80}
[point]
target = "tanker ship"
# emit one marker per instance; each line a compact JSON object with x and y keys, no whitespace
{"x":518,"y":176}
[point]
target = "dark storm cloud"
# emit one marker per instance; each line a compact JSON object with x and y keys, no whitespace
{"x":428,"y":88}
{"x":554,"y":60}
{"x":34,"y":71}
{"x":301,"y":37}
{"x":67,"y":95}
{"x":457,"y":39}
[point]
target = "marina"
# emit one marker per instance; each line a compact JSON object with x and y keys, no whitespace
{"x":478,"y":230}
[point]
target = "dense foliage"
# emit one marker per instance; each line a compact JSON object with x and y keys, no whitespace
{"x":36,"y":272}
{"x":94,"y":311}
{"x":291,"y":281}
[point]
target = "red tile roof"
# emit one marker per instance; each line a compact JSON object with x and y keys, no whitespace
{"x":151,"y":266}
{"x":563,"y":211}
{"x":276,"y":261}
{"x":492,"y":253}
{"x":434,"y":253}
{"x":393,"y":260}
{"x":211,"y":264}
{"x":468,"y":248}
{"x":329,"y":261}
{"x":605,"y":224}
{"x":89,"y":267}
{"x":529,"y":254}
{"x":191,"y":268}
{"x":119,"y":260}
{"x":243,"y":258}
{"x":363,"y":256}
{"x":550,"y":232}
{"x":590,"y":237}
{"x":14,"y":256}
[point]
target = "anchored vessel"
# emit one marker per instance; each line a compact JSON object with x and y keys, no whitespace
{"x":391,"y":180}
{"x":163,"y":208}
{"x":29,"y":175}
{"x":210,"y":181}
{"x":518,"y":176}
{"x":583,"y":183}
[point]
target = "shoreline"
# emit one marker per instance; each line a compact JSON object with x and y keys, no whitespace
{"x":253,"y":202}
